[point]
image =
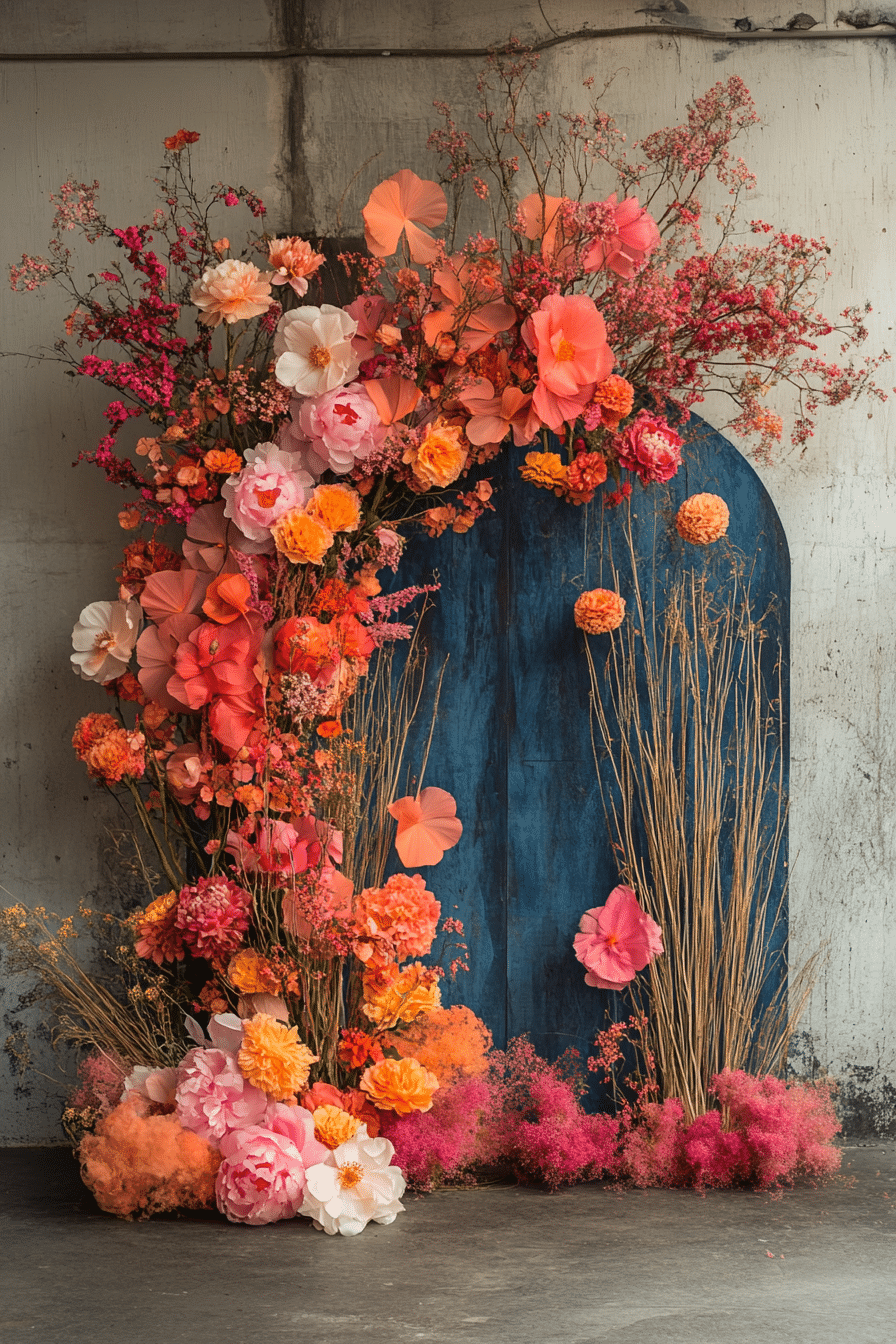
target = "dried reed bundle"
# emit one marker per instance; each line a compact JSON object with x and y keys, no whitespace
{"x":688,"y":709}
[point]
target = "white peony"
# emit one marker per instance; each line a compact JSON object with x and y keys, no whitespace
{"x":104,"y":639}
{"x":354,"y":1186}
{"x":314,"y":349}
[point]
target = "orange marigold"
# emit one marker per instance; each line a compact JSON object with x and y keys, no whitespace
{"x":356,"y":1048}
{"x":615,"y":396}
{"x":338,"y":507}
{"x":441,"y":455}
{"x":251,"y":973}
{"x":222,"y":461}
{"x":599,"y":611}
{"x":333,"y":1126}
{"x":158,"y":937}
{"x":392,"y":995}
{"x":702,"y":519}
{"x":401,"y":1085}
{"x":546,"y":471}
{"x":302,"y":539}
{"x":452,"y":1042}
{"x":273,"y":1058}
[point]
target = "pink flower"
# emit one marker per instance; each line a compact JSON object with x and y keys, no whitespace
{"x":616,"y":940}
{"x":104,"y":639}
{"x":156,"y":650}
{"x":185,"y":770}
{"x":293,"y":261}
{"x":262,"y":1177}
{"x":171,"y":592}
{"x":212,"y":540}
{"x":649,"y":447}
{"x":370,"y":311}
{"x":216,"y":660}
{"x":271,"y":483}
{"x":492,"y":417}
{"x":213,"y":1098}
{"x":213,"y":916}
{"x":569,"y":339}
{"x":277,"y":848}
{"x":232,"y":291}
{"x":637,"y":237}
{"x":341,"y":427}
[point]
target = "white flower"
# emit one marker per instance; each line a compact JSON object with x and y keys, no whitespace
{"x":104,"y":639}
{"x":354,"y":1186}
{"x":315,"y":349}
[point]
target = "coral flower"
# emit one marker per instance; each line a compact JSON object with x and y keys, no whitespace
{"x":492,"y":417}
{"x":400,"y":205}
{"x":158,"y":937}
{"x":273,"y":1058}
{"x":338,"y":507}
{"x":650,"y":447}
{"x":180,"y":140}
{"x":228,"y":597}
{"x":401,"y":1085}
{"x":637,"y":236}
{"x":356,"y":1047}
{"x":547,"y":471}
{"x":104,"y":639}
{"x":232,"y":291}
{"x":587,"y":472}
{"x":440,"y":457}
{"x":599,"y":611}
{"x":428,"y":825}
{"x":402,"y":913}
{"x":314,"y":349}
{"x":302,"y":539}
{"x":568,"y":337}
{"x":702,"y":519}
{"x":293,"y":261}
{"x":392,"y":995}
{"x":616,"y":940}
{"x":172,"y":593}
{"x":611,"y":402}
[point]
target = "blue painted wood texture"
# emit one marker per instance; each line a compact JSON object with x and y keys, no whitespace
{"x":512,"y":739}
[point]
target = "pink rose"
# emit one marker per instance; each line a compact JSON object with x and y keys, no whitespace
{"x":649,"y":447}
{"x":270,"y":484}
{"x":262,"y":1177}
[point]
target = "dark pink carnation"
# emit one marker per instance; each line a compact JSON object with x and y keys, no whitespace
{"x":649,"y":447}
{"x":213,"y":916}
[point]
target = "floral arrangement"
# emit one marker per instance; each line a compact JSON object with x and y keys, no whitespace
{"x":294,"y":443}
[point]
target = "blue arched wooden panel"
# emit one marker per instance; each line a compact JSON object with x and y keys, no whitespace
{"x":512,"y":741}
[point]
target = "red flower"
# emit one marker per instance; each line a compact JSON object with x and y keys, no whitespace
{"x":180,"y":141}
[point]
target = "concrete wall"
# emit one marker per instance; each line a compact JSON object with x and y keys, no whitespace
{"x":291,"y":100}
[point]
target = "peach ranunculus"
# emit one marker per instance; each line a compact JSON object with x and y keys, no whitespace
{"x":293,"y":261}
{"x":338,"y":507}
{"x":599,"y":611}
{"x":702,"y":519}
{"x":568,"y":337}
{"x":400,"y":205}
{"x":314,"y":349}
{"x":232,"y":291}
{"x":273,"y":1058}
{"x":400,"y":1085}
{"x":302,"y":539}
{"x":440,"y":456}
{"x":637,"y":236}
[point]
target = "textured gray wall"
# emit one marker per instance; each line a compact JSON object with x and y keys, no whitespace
{"x":291,"y":100}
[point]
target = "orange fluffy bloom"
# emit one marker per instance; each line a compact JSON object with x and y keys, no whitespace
{"x":329,"y":728}
{"x":452,"y":1042}
{"x":599,"y":611}
{"x":401,"y":1085}
{"x":401,"y":916}
{"x":440,"y":457}
{"x":302,"y":539}
{"x":223,"y":462}
{"x":356,"y":1047}
{"x":615,"y":396}
{"x":158,"y":937}
{"x":333,"y":1126}
{"x":251,"y":973}
{"x":702,"y":519}
{"x":392,"y":995}
{"x":89,"y":731}
{"x":546,"y":471}
{"x":338,"y":507}
{"x":273,"y":1058}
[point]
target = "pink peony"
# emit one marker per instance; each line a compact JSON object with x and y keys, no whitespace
{"x":649,"y":447}
{"x":636,"y":238}
{"x":232,"y":291}
{"x":342,"y":427}
{"x":213,"y":916}
{"x":569,"y":339}
{"x":213,"y":1098}
{"x":262,"y":1176}
{"x":271,"y":483}
{"x":616,"y":940}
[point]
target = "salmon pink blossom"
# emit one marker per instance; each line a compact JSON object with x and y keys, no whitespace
{"x":400,"y":205}
{"x":293,"y":261}
{"x":616,"y":940}
{"x":270,"y":484}
{"x":568,"y":337}
{"x":104,"y":639}
{"x":636,"y":238}
{"x":232,"y":291}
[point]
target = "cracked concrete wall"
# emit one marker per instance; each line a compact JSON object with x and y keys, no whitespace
{"x":292,"y":99}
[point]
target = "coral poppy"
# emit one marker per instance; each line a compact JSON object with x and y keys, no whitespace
{"x":568,"y":337}
{"x":427,"y":826}
{"x":616,"y":940}
{"x":400,"y":205}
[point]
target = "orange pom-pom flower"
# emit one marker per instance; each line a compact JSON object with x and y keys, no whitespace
{"x":702,"y":519}
{"x":400,"y":1085}
{"x":599,"y":611}
{"x":273,"y":1058}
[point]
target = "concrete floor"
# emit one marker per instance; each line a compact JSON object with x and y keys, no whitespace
{"x":813,"y":1266}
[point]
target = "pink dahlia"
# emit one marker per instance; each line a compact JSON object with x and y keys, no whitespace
{"x":649,"y":447}
{"x":568,"y":337}
{"x":262,"y":1177}
{"x":616,"y":940}
{"x":212,"y":916}
{"x":212,"y":1096}
{"x":231,"y":291}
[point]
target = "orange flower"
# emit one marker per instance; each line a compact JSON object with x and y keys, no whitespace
{"x":401,"y":1085}
{"x":338,"y":507}
{"x":273,"y":1058}
{"x":599,"y":611}
{"x":546,"y":471}
{"x":615,"y":396}
{"x":356,"y":1048}
{"x":333,"y":1126}
{"x":392,"y":996}
{"x":228,"y":597}
{"x":329,"y":728}
{"x":158,"y":937}
{"x":231,"y":291}
{"x":702,"y":519}
{"x":293,"y":261}
{"x":452,"y":1042}
{"x":302,"y":539}
{"x":441,"y":456}
{"x":180,"y":140}
{"x":399,"y":205}
{"x":223,"y":462}
{"x":251,"y":973}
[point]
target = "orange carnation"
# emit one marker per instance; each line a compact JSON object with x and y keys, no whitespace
{"x":223,"y":462}
{"x":599,"y":611}
{"x":302,"y":539}
{"x":251,"y":973}
{"x":338,"y":507}
{"x":702,"y":519}
{"x":401,"y":1085}
{"x":273,"y":1058}
{"x":333,"y":1126}
{"x":452,"y":1042}
{"x":440,"y":457}
{"x":392,"y":996}
{"x":546,"y":471}
{"x":615,"y":396}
